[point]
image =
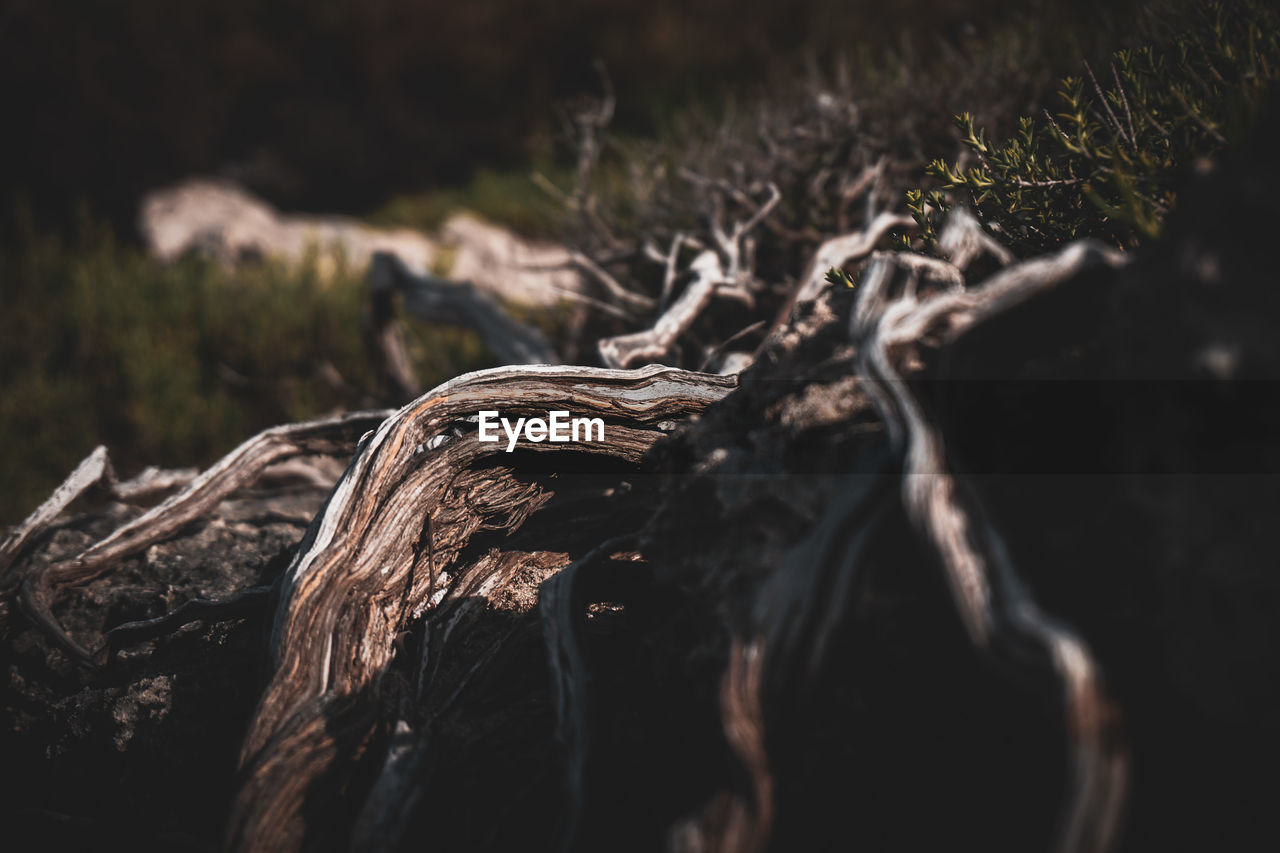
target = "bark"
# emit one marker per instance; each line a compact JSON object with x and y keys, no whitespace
{"x":940,"y":567}
{"x":345,"y":598}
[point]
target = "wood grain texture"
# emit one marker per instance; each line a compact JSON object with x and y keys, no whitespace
{"x":326,"y":436}
{"x":384,"y":550}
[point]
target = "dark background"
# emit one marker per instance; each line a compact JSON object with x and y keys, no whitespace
{"x":337,"y":104}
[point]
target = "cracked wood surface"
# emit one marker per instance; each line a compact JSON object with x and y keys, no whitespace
{"x":356,"y":579}
{"x":404,"y":561}
{"x":241,"y":467}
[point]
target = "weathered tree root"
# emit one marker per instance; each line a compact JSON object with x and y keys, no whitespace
{"x":393,"y":551}
{"x":94,"y":471}
{"x":802,"y":605}
{"x":385,"y":548}
{"x":196,"y":610}
{"x":998,"y":611}
{"x":96,"y":468}
{"x":240,"y":468}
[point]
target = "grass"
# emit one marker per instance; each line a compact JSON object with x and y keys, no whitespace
{"x":507,"y":197}
{"x":172,"y":364}
{"x":1108,"y":162}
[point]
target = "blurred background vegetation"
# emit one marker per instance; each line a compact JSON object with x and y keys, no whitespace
{"x":396,"y":112}
{"x":339,"y":104}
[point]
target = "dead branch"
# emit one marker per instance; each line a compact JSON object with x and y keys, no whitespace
{"x":865,"y":183}
{"x":357,"y":579}
{"x":652,"y":344}
{"x":839,"y":251}
{"x":152,"y":482}
{"x":591,"y":123}
{"x":963,"y":241}
{"x":95,"y":471}
{"x":327,"y":436}
{"x":95,"y":468}
{"x":616,"y":290}
{"x":725,"y":274}
{"x":434,"y":300}
{"x":602,"y":307}
{"x":669,"y":265}
{"x":586,"y":126}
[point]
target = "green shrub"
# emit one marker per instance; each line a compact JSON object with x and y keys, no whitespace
{"x":841,"y":140}
{"x":172,"y":364}
{"x":507,"y":197}
{"x":1108,"y":163}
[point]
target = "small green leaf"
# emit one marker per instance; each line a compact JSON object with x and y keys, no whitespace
{"x":837,"y":276}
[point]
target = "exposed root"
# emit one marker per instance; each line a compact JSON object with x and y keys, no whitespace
{"x":357,"y":578}
{"x":196,"y":610}
{"x":241,"y":467}
{"x":96,"y":468}
{"x":997,"y":610}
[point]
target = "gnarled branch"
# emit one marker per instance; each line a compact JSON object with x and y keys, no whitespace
{"x":357,"y":578}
